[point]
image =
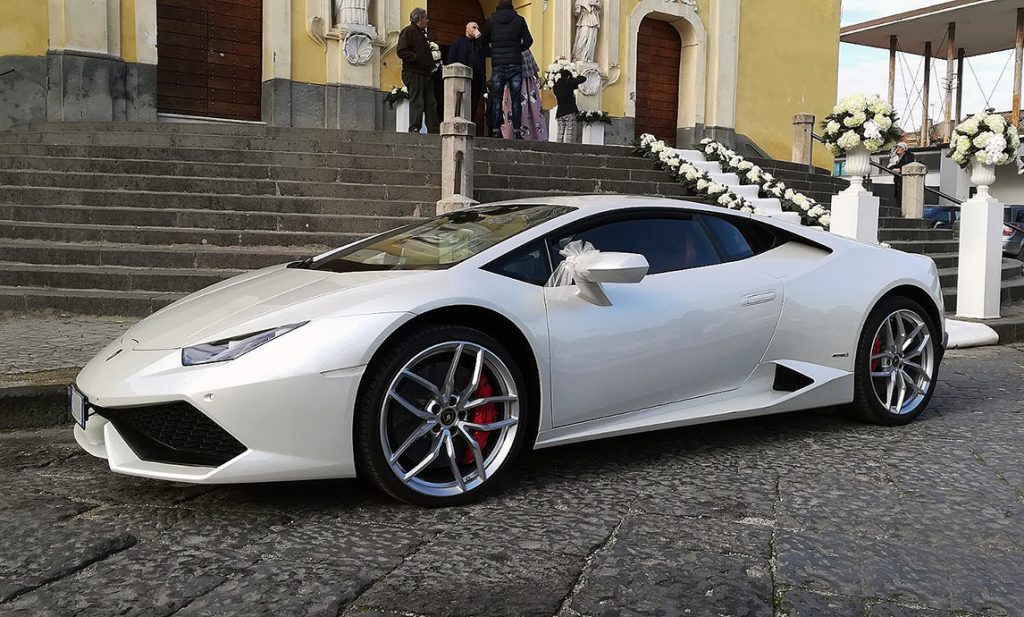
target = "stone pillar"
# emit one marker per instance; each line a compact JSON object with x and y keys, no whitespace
{"x":803,"y":126}
{"x":979,"y":269}
{"x":913,"y":190}
{"x":457,"y":132}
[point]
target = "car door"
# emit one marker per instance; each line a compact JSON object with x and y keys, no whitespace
{"x":698,"y":323}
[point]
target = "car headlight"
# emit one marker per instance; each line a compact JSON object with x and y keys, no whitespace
{"x":231,"y":348}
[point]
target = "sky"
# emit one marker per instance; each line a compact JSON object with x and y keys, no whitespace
{"x":866,"y":69}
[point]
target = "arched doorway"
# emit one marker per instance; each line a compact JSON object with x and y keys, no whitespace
{"x":448,"y":19}
{"x":658,"y":55}
{"x":209,"y":61}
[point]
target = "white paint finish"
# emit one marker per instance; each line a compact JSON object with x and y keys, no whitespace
{"x":855,"y":213}
{"x":981,"y":248}
{"x":593,"y":133}
{"x":723,"y":62}
{"x":114,"y":27}
{"x":277,"y":39}
{"x":964,"y":334}
{"x":692,"y":65}
{"x":291,"y":401}
{"x":79,"y":25}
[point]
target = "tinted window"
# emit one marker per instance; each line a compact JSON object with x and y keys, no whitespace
{"x":738,"y":238}
{"x":528,"y":263}
{"x":439,"y":242}
{"x":667,"y":243}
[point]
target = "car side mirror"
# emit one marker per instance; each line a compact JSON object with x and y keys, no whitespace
{"x":608,"y":268}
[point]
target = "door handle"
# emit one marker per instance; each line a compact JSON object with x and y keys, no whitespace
{"x":760,"y":297}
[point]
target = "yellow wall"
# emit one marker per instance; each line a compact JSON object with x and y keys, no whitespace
{"x":309,"y":60}
{"x":776,"y":81}
{"x":129,"y":51}
{"x":24,"y":28}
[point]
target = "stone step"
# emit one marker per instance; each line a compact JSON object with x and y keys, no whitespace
{"x":1011,"y":269}
{"x":114,"y":278}
{"x":222,"y":186}
{"x":890,"y":222}
{"x":530,"y":157}
{"x":906,"y":234}
{"x":1012,"y":291}
{"x":229,"y":129}
{"x":207,"y":201}
{"x":206,"y":219}
{"x":577,"y":172}
{"x":87,"y":301}
{"x":569,"y":185}
{"x":201,"y":257}
{"x":487,"y":195}
{"x":156,"y":236}
{"x":146,"y":168}
{"x":926,"y":247}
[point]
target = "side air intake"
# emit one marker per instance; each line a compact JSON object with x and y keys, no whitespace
{"x":788,"y":380}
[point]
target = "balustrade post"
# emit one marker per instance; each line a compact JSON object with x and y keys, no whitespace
{"x":913,"y":191}
{"x":803,"y":142}
{"x":457,"y":133}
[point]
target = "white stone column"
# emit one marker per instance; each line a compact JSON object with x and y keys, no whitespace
{"x":979,"y":270}
{"x":855,"y":210}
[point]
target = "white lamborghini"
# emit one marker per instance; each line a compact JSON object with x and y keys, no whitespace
{"x":424,"y":359}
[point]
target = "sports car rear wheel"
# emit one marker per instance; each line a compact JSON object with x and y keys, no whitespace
{"x":439,"y":419}
{"x":897,"y":363}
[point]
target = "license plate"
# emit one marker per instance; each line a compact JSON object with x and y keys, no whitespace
{"x":79,"y":406}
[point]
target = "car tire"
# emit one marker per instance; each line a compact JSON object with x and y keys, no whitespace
{"x":400,"y":422}
{"x":899,"y":351}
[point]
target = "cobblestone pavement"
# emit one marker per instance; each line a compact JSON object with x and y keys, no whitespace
{"x":36,"y":342}
{"x":805,"y":514}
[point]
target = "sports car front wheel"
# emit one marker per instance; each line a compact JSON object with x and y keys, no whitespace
{"x":441,"y":416}
{"x":897,"y":363}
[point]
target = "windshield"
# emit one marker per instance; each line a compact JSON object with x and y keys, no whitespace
{"x":439,"y":242}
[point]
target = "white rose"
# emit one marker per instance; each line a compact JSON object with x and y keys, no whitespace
{"x":816,"y":211}
{"x":702,"y":184}
{"x":745,"y":165}
{"x":657,"y":146}
{"x":825,"y":219}
{"x":715,"y":188}
{"x":725,"y":200}
{"x":872,"y":130}
{"x":789,"y":194}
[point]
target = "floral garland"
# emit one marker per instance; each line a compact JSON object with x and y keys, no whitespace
{"x":699,"y":181}
{"x":554,"y":71}
{"x":986,"y":138}
{"x":590,"y":117}
{"x":435,"y":53}
{"x":397,"y":94}
{"x":861,"y":120}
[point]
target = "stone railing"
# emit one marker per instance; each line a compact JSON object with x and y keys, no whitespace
{"x":457,"y":134}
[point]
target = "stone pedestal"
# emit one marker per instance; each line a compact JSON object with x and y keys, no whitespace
{"x":552,"y":125}
{"x":855,"y":213}
{"x":402,"y":118}
{"x":457,"y":133}
{"x":979,"y":269}
{"x":803,"y":126}
{"x":913,"y":191}
{"x":593,"y":133}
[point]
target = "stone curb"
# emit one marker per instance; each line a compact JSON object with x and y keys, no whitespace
{"x":35,"y":400}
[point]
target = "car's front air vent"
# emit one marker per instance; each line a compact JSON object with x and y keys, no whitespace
{"x":788,"y":380}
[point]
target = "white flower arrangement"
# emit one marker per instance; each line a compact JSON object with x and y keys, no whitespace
{"x":984,"y":137}
{"x":700,"y":181}
{"x":398,"y":93}
{"x":554,"y":71}
{"x":860,"y":120}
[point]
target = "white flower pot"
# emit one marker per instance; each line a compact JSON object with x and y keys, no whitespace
{"x":552,"y":125}
{"x":858,"y":162}
{"x":982,"y":174}
{"x":402,"y":117}
{"x":593,"y":133}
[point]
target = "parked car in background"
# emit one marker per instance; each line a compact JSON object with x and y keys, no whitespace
{"x":943,"y":216}
{"x":1013,"y":229}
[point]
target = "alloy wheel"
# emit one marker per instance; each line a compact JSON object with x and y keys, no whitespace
{"x":449,"y":419}
{"x":902,"y":362}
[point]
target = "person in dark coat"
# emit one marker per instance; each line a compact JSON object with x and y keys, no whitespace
{"x":469,"y":50}
{"x":566,"y":112}
{"x":507,"y":36}
{"x":898,"y":158}
{"x":417,"y":67}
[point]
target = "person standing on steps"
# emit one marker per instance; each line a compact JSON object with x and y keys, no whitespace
{"x":898,"y":158}
{"x":417,"y":67}
{"x":566,"y":112}
{"x":507,"y":36}
{"x":470,"y":51}
{"x":533,"y":126}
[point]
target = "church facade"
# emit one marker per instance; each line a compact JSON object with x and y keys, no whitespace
{"x":737,"y":70}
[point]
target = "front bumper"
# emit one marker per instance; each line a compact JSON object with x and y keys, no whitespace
{"x":290,"y":413}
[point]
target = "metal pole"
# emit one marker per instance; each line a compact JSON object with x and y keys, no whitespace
{"x":950,"y":49}
{"x":924,"y":140}
{"x":960,"y":55}
{"x":1017,"y":65}
{"x":892,"y":69}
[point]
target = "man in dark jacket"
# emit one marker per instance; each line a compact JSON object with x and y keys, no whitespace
{"x":470,"y":51}
{"x":566,"y":112}
{"x":507,"y":36}
{"x":417,"y":67}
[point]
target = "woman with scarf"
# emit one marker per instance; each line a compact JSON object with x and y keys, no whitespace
{"x":899,"y":157}
{"x":533,"y":120}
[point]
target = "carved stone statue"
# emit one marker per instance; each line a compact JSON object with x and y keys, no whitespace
{"x":352,"y":12}
{"x":588,"y":20}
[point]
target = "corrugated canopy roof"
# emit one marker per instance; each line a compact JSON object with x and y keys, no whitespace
{"x":982,"y":27}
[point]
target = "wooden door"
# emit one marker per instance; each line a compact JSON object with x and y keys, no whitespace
{"x":657,"y":79}
{"x":448,"y":19}
{"x":209,"y":57}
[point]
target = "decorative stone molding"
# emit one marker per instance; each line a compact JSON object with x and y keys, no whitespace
{"x":358,"y":48}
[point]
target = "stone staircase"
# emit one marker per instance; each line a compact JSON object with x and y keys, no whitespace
{"x":123,"y":219}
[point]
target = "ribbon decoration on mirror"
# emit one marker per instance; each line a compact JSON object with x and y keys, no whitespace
{"x":578,"y":254}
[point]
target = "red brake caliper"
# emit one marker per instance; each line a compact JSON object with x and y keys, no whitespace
{"x":484,"y":414}
{"x":875,"y":348}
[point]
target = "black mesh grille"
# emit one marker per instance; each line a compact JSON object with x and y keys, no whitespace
{"x":175,"y":433}
{"x":788,"y":380}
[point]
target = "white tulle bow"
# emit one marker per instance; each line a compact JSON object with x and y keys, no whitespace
{"x":578,"y":254}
